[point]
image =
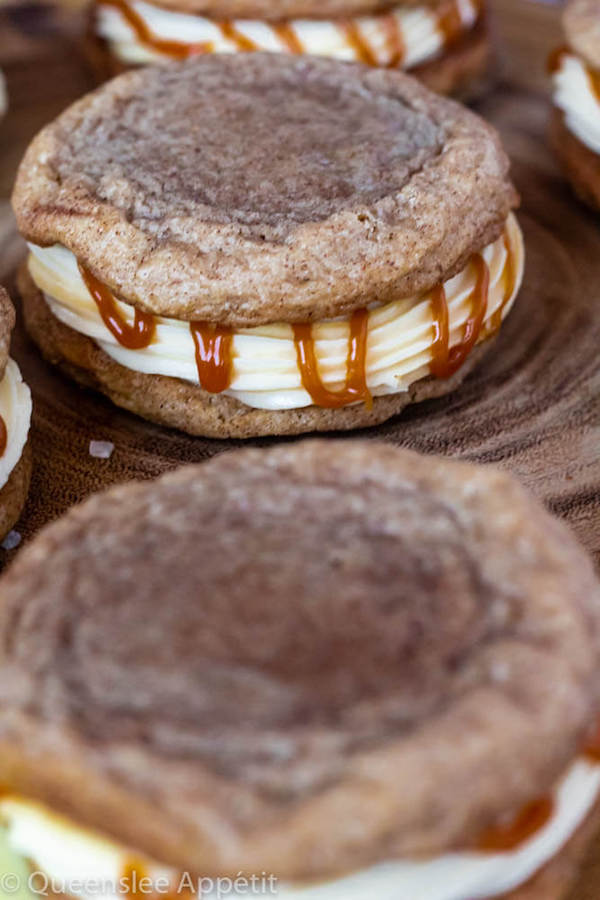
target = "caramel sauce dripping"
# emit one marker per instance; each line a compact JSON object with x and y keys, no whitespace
{"x":556,"y":57}
{"x":441,"y":332}
{"x":230,"y":32}
{"x":554,"y":63}
{"x":591,"y":748}
{"x":133,"y":874}
{"x":355,"y":388}
{"x":594,"y":80}
{"x":3,"y":436}
{"x":288,"y":37}
{"x":503,"y":838}
{"x":360,"y":46}
{"x":395,"y":41}
{"x":214,"y":356}
{"x":447,"y":360}
{"x":175,"y":49}
{"x":450,"y":22}
{"x":139,"y":883}
{"x":134,"y":337}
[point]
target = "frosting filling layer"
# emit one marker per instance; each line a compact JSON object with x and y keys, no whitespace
{"x":72,"y":856}
{"x":270,"y":365}
{"x":138,"y":32}
{"x":15,"y":419}
{"x":577,"y":94}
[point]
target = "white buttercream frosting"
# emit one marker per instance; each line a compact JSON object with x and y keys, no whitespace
{"x":419,"y":31}
{"x":15,"y":409}
{"x":575,"y":96}
{"x":72,"y":856}
{"x":265,"y":366}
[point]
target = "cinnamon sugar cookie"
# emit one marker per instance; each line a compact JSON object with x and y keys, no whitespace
{"x":370,"y":257}
{"x":360,"y":671}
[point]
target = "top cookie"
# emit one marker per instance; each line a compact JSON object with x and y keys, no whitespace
{"x":7,"y":323}
{"x":581,"y":21}
{"x":253,"y":188}
{"x":230,"y":667}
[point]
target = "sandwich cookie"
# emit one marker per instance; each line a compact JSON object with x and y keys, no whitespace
{"x":443,"y":42}
{"x":15,"y":420}
{"x":344,"y":667}
{"x":257,"y":244}
{"x":575,"y":72}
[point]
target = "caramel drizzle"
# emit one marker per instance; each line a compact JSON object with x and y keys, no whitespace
{"x":556,"y":57}
{"x":358,"y":43}
{"x":133,"y":337}
{"x":3,"y":436}
{"x":447,"y":360}
{"x":450,"y":22}
{"x":591,"y":747}
{"x":175,"y":49}
{"x":554,"y":63}
{"x":532,"y":818}
{"x":535,"y":815}
{"x":133,"y":874}
{"x":139,"y":883}
{"x":214,"y":355}
{"x":288,"y":37}
{"x":355,"y":387}
{"x":230,"y":32}
{"x":395,"y":41}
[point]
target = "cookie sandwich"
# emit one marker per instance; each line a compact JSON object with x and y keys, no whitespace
{"x":443,"y":42}
{"x":257,"y":244}
{"x":575,"y":70}
{"x":378,"y":678}
{"x":15,"y":421}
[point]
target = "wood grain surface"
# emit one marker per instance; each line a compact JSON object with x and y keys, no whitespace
{"x":532,"y":407}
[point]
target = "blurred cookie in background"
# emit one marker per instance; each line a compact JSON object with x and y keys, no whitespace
{"x":15,"y":420}
{"x":575,"y":69}
{"x":443,"y":42}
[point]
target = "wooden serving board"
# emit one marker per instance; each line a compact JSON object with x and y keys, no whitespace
{"x":533,"y":407}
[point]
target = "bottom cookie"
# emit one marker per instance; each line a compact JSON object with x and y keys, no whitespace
{"x":14,"y":493}
{"x":560,"y":876}
{"x":580,"y":164}
{"x":182,"y":405}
